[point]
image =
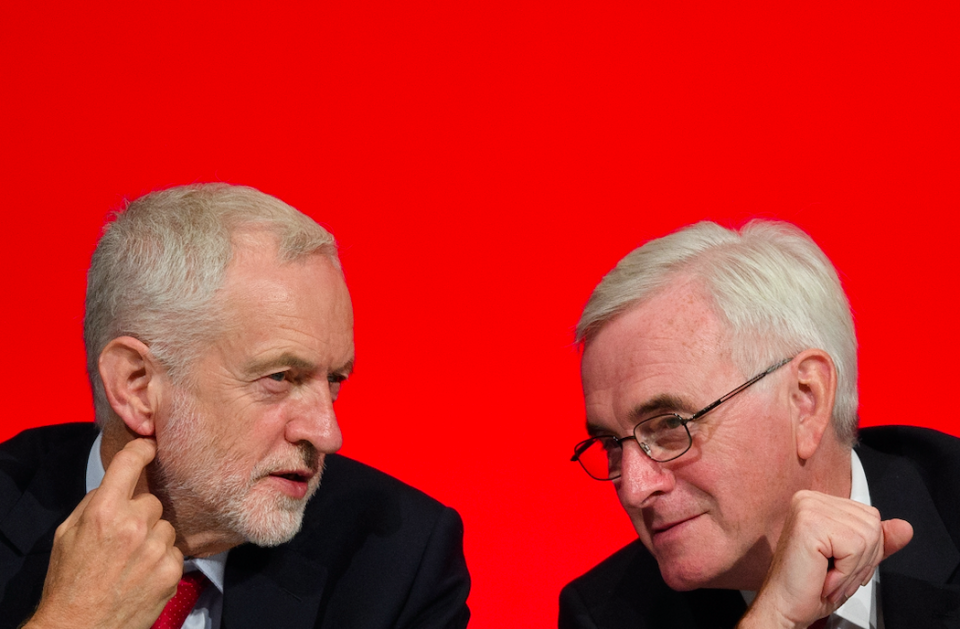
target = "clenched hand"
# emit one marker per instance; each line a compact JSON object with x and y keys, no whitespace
{"x":829,"y":547}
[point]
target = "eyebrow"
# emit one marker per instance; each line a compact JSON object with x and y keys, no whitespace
{"x":664,"y":403}
{"x":346,"y":369}
{"x":283,"y":360}
{"x":293,"y":361}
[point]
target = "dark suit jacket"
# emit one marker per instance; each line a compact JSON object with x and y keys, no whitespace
{"x":913,"y":474}
{"x":373,"y":552}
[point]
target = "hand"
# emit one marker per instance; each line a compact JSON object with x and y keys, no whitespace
{"x":828,"y":548}
{"x":113,"y":563}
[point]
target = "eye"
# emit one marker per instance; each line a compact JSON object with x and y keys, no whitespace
{"x":336,"y":381}
{"x":608,"y":444}
{"x":277,"y":382}
{"x":671,"y":422}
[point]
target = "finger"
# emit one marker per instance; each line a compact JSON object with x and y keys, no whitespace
{"x":867,"y":575}
{"x":848,"y":585}
{"x":859,"y":580}
{"x":148,"y":505}
{"x":165,"y":532}
{"x":855,"y":544}
{"x":896,"y":535}
{"x":124,"y":470}
{"x":177,"y":555}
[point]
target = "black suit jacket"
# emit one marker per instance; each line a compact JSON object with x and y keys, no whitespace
{"x":373,"y":552}
{"x":913,"y":474}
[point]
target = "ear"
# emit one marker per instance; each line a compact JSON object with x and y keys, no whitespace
{"x":132,"y":382}
{"x":812,"y":399}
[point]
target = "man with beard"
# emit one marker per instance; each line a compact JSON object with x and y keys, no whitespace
{"x":219,"y":332}
{"x":720,"y":384}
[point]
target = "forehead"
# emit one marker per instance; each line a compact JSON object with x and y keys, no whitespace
{"x":257,"y":279}
{"x":300,"y":307}
{"x":672,"y":344}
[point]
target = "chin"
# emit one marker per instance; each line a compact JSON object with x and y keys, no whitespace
{"x":685,"y":578}
{"x":269,"y":520}
{"x":718,"y":574}
{"x":694,"y":567}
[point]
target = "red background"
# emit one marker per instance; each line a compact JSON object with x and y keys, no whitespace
{"x":483,"y":164}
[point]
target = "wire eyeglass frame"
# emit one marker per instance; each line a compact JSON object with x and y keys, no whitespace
{"x":648,"y":442}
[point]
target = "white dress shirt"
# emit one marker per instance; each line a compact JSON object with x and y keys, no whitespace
{"x":206,"y":613}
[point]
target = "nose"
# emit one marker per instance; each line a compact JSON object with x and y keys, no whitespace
{"x":641,"y":478}
{"x":313,"y":420}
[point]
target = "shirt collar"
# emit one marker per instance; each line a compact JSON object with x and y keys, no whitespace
{"x":861,"y":608}
{"x":212,"y":567}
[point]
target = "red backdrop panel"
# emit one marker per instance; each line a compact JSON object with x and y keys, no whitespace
{"x":482,"y":167}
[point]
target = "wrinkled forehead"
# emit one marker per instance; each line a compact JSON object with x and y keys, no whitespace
{"x":259,"y":290}
{"x":672,"y":345}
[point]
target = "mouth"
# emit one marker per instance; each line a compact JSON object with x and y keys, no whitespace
{"x":294,"y":483}
{"x":300,"y":477}
{"x":665,"y":530}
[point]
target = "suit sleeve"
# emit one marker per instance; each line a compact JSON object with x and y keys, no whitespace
{"x":438,"y":596}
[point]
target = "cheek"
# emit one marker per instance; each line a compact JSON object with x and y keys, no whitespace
{"x":251,"y":435}
{"x":750,"y":500}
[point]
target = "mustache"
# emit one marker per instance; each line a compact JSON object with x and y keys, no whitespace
{"x":306,"y":456}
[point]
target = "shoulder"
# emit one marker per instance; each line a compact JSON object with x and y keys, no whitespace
{"x":22,"y":456}
{"x":35,"y":443}
{"x":631,"y":562}
{"x":899,"y":453}
{"x":914,"y":474}
{"x":351,"y":490}
{"x":626,"y":590}
{"x":614,"y":592}
{"x":343,"y":475}
{"x":928,"y":447}
{"x":364,"y":508}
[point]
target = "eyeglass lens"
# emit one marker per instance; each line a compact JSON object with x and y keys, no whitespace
{"x":662,"y":438}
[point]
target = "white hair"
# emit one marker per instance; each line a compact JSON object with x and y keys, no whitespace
{"x":161,"y":260}
{"x":770,"y":284}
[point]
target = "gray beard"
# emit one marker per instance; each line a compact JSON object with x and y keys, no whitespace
{"x":201,"y":494}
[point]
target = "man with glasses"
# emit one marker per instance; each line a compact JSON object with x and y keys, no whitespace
{"x":767,"y":489}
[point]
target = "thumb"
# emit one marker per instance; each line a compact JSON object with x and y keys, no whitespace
{"x":896,"y":535}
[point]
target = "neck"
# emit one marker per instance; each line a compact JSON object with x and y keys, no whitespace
{"x":829,"y":469}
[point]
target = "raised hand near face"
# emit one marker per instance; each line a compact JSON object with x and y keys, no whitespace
{"x":113,"y":563}
{"x":828,"y":548}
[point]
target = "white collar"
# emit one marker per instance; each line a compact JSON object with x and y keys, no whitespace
{"x":861,"y":608}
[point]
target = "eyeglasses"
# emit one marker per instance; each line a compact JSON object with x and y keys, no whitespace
{"x":662,"y":438}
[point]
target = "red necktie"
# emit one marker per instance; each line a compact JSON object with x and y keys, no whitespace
{"x":179,"y":607}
